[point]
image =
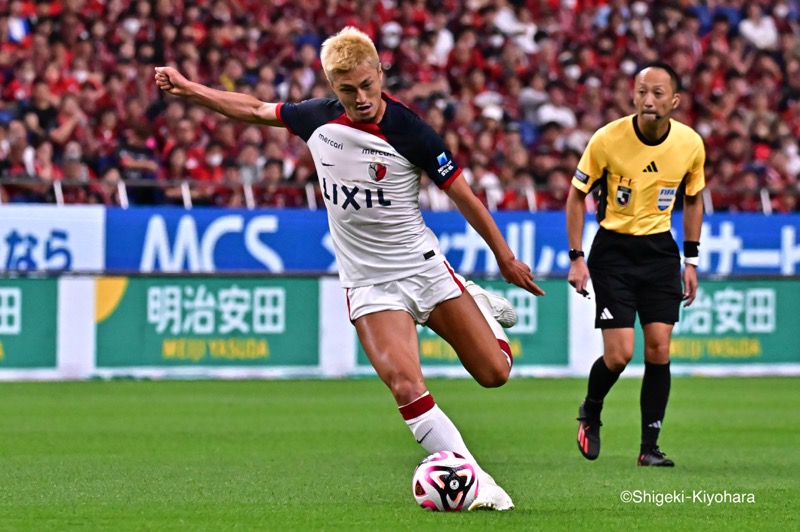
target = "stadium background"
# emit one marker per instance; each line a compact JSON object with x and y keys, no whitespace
{"x":131,"y":283}
{"x":515,"y":88}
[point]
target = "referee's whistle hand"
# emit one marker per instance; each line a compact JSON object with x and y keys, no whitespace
{"x":688,"y":299}
{"x":581,"y":291}
{"x":689,"y":285}
{"x":578,"y":276}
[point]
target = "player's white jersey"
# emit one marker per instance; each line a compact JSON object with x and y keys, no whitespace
{"x":369,"y":175}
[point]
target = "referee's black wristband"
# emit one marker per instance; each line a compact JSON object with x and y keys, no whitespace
{"x":691,"y":249}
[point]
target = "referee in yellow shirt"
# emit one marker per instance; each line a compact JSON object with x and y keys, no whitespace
{"x":637,"y":163}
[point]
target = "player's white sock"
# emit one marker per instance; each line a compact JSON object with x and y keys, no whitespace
{"x":435,"y":432}
{"x":432,"y":428}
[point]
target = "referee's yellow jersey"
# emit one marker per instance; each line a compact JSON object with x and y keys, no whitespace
{"x":638,"y":179}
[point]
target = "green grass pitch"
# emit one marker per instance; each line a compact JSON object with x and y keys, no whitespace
{"x":336,"y":455}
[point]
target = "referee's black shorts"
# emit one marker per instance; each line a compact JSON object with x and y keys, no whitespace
{"x":635,"y":274}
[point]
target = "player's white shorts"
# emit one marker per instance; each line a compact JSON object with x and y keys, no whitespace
{"x":418,"y":295}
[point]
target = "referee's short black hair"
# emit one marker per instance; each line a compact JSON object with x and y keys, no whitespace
{"x":673,"y":76}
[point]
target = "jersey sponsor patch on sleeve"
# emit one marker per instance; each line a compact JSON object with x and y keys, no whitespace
{"x":446,"y":166}
{"x":419,"y":143}
{"x":580,"y":176}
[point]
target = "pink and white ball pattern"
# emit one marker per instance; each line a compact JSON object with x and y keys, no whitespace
{"x":445,"y":482}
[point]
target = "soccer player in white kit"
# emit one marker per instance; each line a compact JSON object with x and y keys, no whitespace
{"x":369,"y":151}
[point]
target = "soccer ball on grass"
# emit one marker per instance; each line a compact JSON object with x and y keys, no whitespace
{"x":445,"y":482}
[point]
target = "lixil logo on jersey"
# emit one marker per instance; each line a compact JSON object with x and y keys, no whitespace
{"x":377,"y":171}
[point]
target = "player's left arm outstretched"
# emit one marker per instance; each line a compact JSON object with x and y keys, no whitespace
{"x":513,"y":270}
{"x":234,"y":105}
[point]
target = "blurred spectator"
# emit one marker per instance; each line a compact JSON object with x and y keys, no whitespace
{"x":71,"y":122}
{"x":175,"y":175}
{"x":17,"y":158}
{"x":532,"y":96}
{"x":759,"y":28}
{"x":81,"y":71}
{"x":520,"y":194}
{"x":225,"y":136}
{"x":442,"y":38}
{"x":105,"y":139}
{"x":555,"y":109}
{"x":39,"y":112}
{"x":16,"y":153}
{"x":105,"y":191}
{"x":748,"y":193}
{"x":554,"y":196}
{"x":272,"y":191}
{"x":20,"y":89}
{"x":77,"y":174}
{"x":138,"y":161}
{"x":487,"y":185}
{"x":233,"y":194}
{"x":43,"y":165}
{"x":723,"y":185}
{"x":19,"y":27}
{"x":250,"y":164}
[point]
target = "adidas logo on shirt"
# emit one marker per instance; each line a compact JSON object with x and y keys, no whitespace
{"x":651,"y":167}
{"x":606,"y":315}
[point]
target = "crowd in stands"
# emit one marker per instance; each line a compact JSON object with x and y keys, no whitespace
{"x":515,"y":87}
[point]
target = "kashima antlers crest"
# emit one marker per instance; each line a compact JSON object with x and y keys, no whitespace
{"x":377,"y":171}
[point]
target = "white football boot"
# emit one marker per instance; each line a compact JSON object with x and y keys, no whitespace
{"x":490,"y":495}
{"x":502,"y":309}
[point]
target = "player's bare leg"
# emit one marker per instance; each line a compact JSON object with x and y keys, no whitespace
{"x":390,"y":341}
{"x":485,"y":353}
{"x":487,"y":358}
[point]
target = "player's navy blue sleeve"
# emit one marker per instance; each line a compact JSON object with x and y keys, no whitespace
{"x":304,"y":118}
{"x":419,"y":143}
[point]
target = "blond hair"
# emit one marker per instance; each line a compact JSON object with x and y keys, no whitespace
{"x":347,"y":50}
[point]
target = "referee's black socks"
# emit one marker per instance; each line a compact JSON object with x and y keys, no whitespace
{"x":601,"y":379}
{"x":653,"y":401}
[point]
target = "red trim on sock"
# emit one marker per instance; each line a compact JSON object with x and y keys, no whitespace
{"x":505,"y":348}
{"x":417,"y":407}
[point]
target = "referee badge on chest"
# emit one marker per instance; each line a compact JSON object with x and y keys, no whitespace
{"x":623,"y":196}
{"x":666,"y":195}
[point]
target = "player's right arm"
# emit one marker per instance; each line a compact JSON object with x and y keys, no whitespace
{"x":234,"y":105}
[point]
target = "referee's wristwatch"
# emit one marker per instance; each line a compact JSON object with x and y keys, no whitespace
{"x":575,"y":254}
